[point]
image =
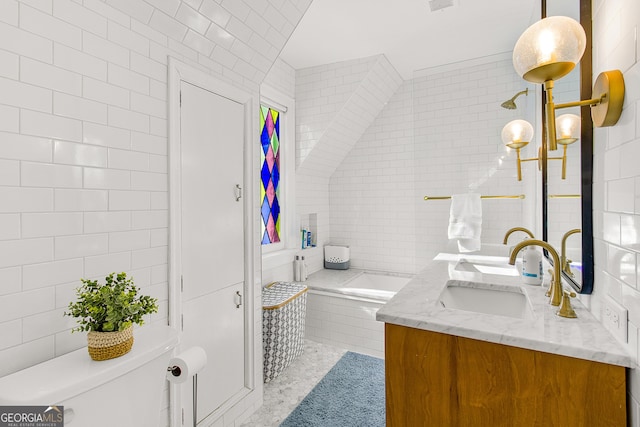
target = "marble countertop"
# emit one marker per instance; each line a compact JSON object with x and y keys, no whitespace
{"x":416,"y":305}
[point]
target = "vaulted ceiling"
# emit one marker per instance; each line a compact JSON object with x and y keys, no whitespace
{"x":243,"y":36}
{"x":407,"y":32}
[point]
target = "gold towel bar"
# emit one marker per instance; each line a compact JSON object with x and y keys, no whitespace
{"x":564,"y":196}
{"x":517,"y":196}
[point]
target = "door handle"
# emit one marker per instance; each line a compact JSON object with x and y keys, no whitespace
{"x":238,"y":192}
{"x":238,"y":299}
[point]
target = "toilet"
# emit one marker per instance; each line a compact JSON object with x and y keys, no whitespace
{"x":125,"y":392}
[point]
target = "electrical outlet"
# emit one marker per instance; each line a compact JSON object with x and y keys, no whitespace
{"x":614,"y":317}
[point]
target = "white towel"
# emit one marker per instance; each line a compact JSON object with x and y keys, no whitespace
{"x":465,"y":221}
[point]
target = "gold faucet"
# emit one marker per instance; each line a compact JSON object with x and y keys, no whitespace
{"x":514,"y":229}
{"x":556,"y":280}
{"x":565,"y":307}
{"x":566,"y":263}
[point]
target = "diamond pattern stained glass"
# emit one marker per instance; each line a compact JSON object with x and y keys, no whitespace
{"x":270,"y":174}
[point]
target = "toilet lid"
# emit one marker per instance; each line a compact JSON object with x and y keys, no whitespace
{"x":58,"y":379}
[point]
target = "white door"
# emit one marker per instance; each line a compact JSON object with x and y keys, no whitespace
{"x":212,"y":137}
{"x":212,"y":250}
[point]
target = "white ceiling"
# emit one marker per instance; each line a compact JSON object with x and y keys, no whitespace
{"x":407,"y":32}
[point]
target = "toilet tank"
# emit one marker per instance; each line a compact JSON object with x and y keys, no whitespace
{"x":125,"y":392}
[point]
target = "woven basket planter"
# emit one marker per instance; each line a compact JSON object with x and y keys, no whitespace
{"x":109,"y":345}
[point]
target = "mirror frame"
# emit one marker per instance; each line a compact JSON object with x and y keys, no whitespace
{"x":586,"y":162}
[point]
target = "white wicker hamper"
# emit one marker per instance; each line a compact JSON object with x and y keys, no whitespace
{"x":284,"y":307}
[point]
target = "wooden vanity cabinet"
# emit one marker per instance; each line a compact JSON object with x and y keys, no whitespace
{"x":435,"y":379}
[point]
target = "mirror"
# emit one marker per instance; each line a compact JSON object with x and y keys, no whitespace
{"x":567,"y":203}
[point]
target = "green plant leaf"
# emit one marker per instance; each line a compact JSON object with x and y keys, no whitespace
{"x":113,"y":306}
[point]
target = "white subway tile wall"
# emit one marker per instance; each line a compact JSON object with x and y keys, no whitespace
{"x":282,"y":76}
{"x":616,"y":178}
{"x":371,"y":192}
{"x":83,"y":145}
{"x":458,"y":149}
{"x":335,"y":105}
{"x":438,"y":135}
{"x":312,"y":197}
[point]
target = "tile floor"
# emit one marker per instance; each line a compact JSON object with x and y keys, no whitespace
{"x":282,"y":395}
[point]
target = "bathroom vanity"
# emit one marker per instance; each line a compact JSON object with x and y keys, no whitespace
{"x":470,"y":366}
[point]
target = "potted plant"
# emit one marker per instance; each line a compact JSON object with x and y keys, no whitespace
{"x":108,"y":311}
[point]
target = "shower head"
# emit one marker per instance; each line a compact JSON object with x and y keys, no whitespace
{"x":510,"y":103}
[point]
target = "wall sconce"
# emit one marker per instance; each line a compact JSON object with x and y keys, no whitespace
{"x":568,"y":132}
{"x":549,"y":50}
{"x":517,"y":134}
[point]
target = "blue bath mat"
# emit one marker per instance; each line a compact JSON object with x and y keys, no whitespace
{"x":350,"y":395}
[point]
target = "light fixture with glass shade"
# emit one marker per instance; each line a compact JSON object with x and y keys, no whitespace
{"x":567,"y":132}
{"x":517,"y":134}
{"x":549,"y":50}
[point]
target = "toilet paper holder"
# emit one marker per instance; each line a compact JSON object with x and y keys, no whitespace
{"x":197,"y":358}
{"x":176,"y":371}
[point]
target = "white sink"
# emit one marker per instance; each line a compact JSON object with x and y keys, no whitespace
{"x":487,"y":298}
{"x":501,"y":268}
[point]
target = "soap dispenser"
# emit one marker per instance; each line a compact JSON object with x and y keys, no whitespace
{"x":532,"y":266}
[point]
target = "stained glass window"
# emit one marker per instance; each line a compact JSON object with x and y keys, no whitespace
{"x":270,"y":174}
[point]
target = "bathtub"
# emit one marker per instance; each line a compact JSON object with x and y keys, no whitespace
{"x":342,"y":306}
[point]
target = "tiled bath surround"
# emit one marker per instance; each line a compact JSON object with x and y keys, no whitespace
{"x":458,"y":148}
{"x":420,"y":145}
{"x":375,"y":193}
{"x":344,"y":322}
{"x":372,"y":191}
{"x":336,"y":104}
{"x":370,"y":196}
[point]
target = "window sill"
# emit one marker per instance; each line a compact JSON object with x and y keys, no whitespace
{"x":278,"y":258}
